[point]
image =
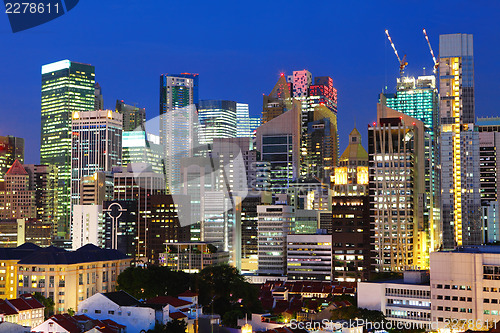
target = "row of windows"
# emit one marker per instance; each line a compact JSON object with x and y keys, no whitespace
{"x":454,"y":298}
{"x":453,"y":287}
{"x":450,"y":309}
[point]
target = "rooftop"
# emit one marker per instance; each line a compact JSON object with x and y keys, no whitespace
{"x":477,"y":249}
{"x":121,"y":298}
{"x":29,"y":254}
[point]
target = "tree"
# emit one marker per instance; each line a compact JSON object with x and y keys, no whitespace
{"x":47,"y":302}
{"x":153,"y":281}
{"x":176,"y":326}
{"x":71,"y":312}
{"x":222,"y":289}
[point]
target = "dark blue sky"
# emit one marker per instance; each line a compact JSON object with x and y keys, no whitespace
{"x":239,"y":48}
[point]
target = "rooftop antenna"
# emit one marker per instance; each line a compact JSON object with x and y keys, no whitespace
{"x":402,"y":62}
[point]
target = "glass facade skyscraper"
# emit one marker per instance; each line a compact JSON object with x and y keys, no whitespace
{"x":460,"y":172}
{"x":418,"y":98}
{"x":178,"y":123}
{"x":217,"y":120}
{"x":96,"y":146}
{"x":67,"y":87}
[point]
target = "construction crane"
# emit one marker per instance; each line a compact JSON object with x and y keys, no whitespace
{"x":402,"y":62}
{"x":436,"y":62}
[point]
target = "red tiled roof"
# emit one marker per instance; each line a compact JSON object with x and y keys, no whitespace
{"x":67,"y":322}
{"x":164,"y":300}
{"x":188,"y":293}
{"x":20,"y":304}
{"x":81,"y":317}
{"x":177,"y":315}
{"x":112,"y":323}
{"x":6,"y":308}
{"x":33,"y":302}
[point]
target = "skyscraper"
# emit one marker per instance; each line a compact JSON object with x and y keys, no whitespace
{"x":66,"y":87}
{"x":278,"y":101}
{"x":142,"y":147}
{"x":11,"y":149}
{"x":17,"y":199}
{"x":321,"y":143}
{"x":98,"y":98}
{"x":489,"y":151}
{"x":461,"y":217}
{"x":133,"y":116}
{"x":96,"y":146}
{"x":43,"y":180}
{"x":242,"y":120}
{"x":217,"y":120}
{"x":396,"y":147}
{"x":278,"y":140}
{"x":130,"y":184}
{"x":178,"y":123}
{"x":419,"y":99}
{"x":350,"y":224}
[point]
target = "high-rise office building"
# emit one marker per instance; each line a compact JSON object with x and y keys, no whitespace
{"x":275,"y":223}
{"x":309,"y":257}
{"x":198,"y":177}
{"x":142,"y":147}
{"x":178,"y":123}
{"x":87,"y":226}
{"x":254,"y":122}
{"x":242,"y":120}
{"x":217,"y":120}
{"x":402,"y":238}
{"x":350,"y":214}
{"x":140,"y":183}
{"x":98,"y":98}
{"x":221,"y":222}
{"x":133,"y":117}
{"x":67,"y":87}
{"x":489,"y":168}
{"x":312,"y":96}
{"x":419,"y":99}
{"x":249,"y":232}
{"x":96,"y":188}
{"x":43,"y":180}
{"x":120,"y":226}
{"x":96,"y":146}
{"x":233,"y":158}
{"x":17,"y":199}
{"x":278,"y":101}
{"x":322,"y":143}
{"x":11,"y":149}
{"x":460,"y":181}
{"x":278,"y":141}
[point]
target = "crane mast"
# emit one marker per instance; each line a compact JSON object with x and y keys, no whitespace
{"x":436,"y":62}
{"x":402,"y":62}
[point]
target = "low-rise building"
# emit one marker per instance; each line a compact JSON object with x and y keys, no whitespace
{"x":29,"y":310}
{"x":67,"y":277}
{"x":137,"y":316}
{"x":64,"y":323}
{"x":404,"y":301}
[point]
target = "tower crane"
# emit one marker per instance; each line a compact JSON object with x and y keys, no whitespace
{"x":402,"y":62}
{"x":436,"y":62}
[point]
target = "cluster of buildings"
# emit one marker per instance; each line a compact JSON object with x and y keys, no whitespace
{"x":203,"y":183}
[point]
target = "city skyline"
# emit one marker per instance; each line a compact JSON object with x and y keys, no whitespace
{"x":348,"y":51}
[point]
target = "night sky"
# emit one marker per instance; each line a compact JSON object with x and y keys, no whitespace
{"x":239,"y":49}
